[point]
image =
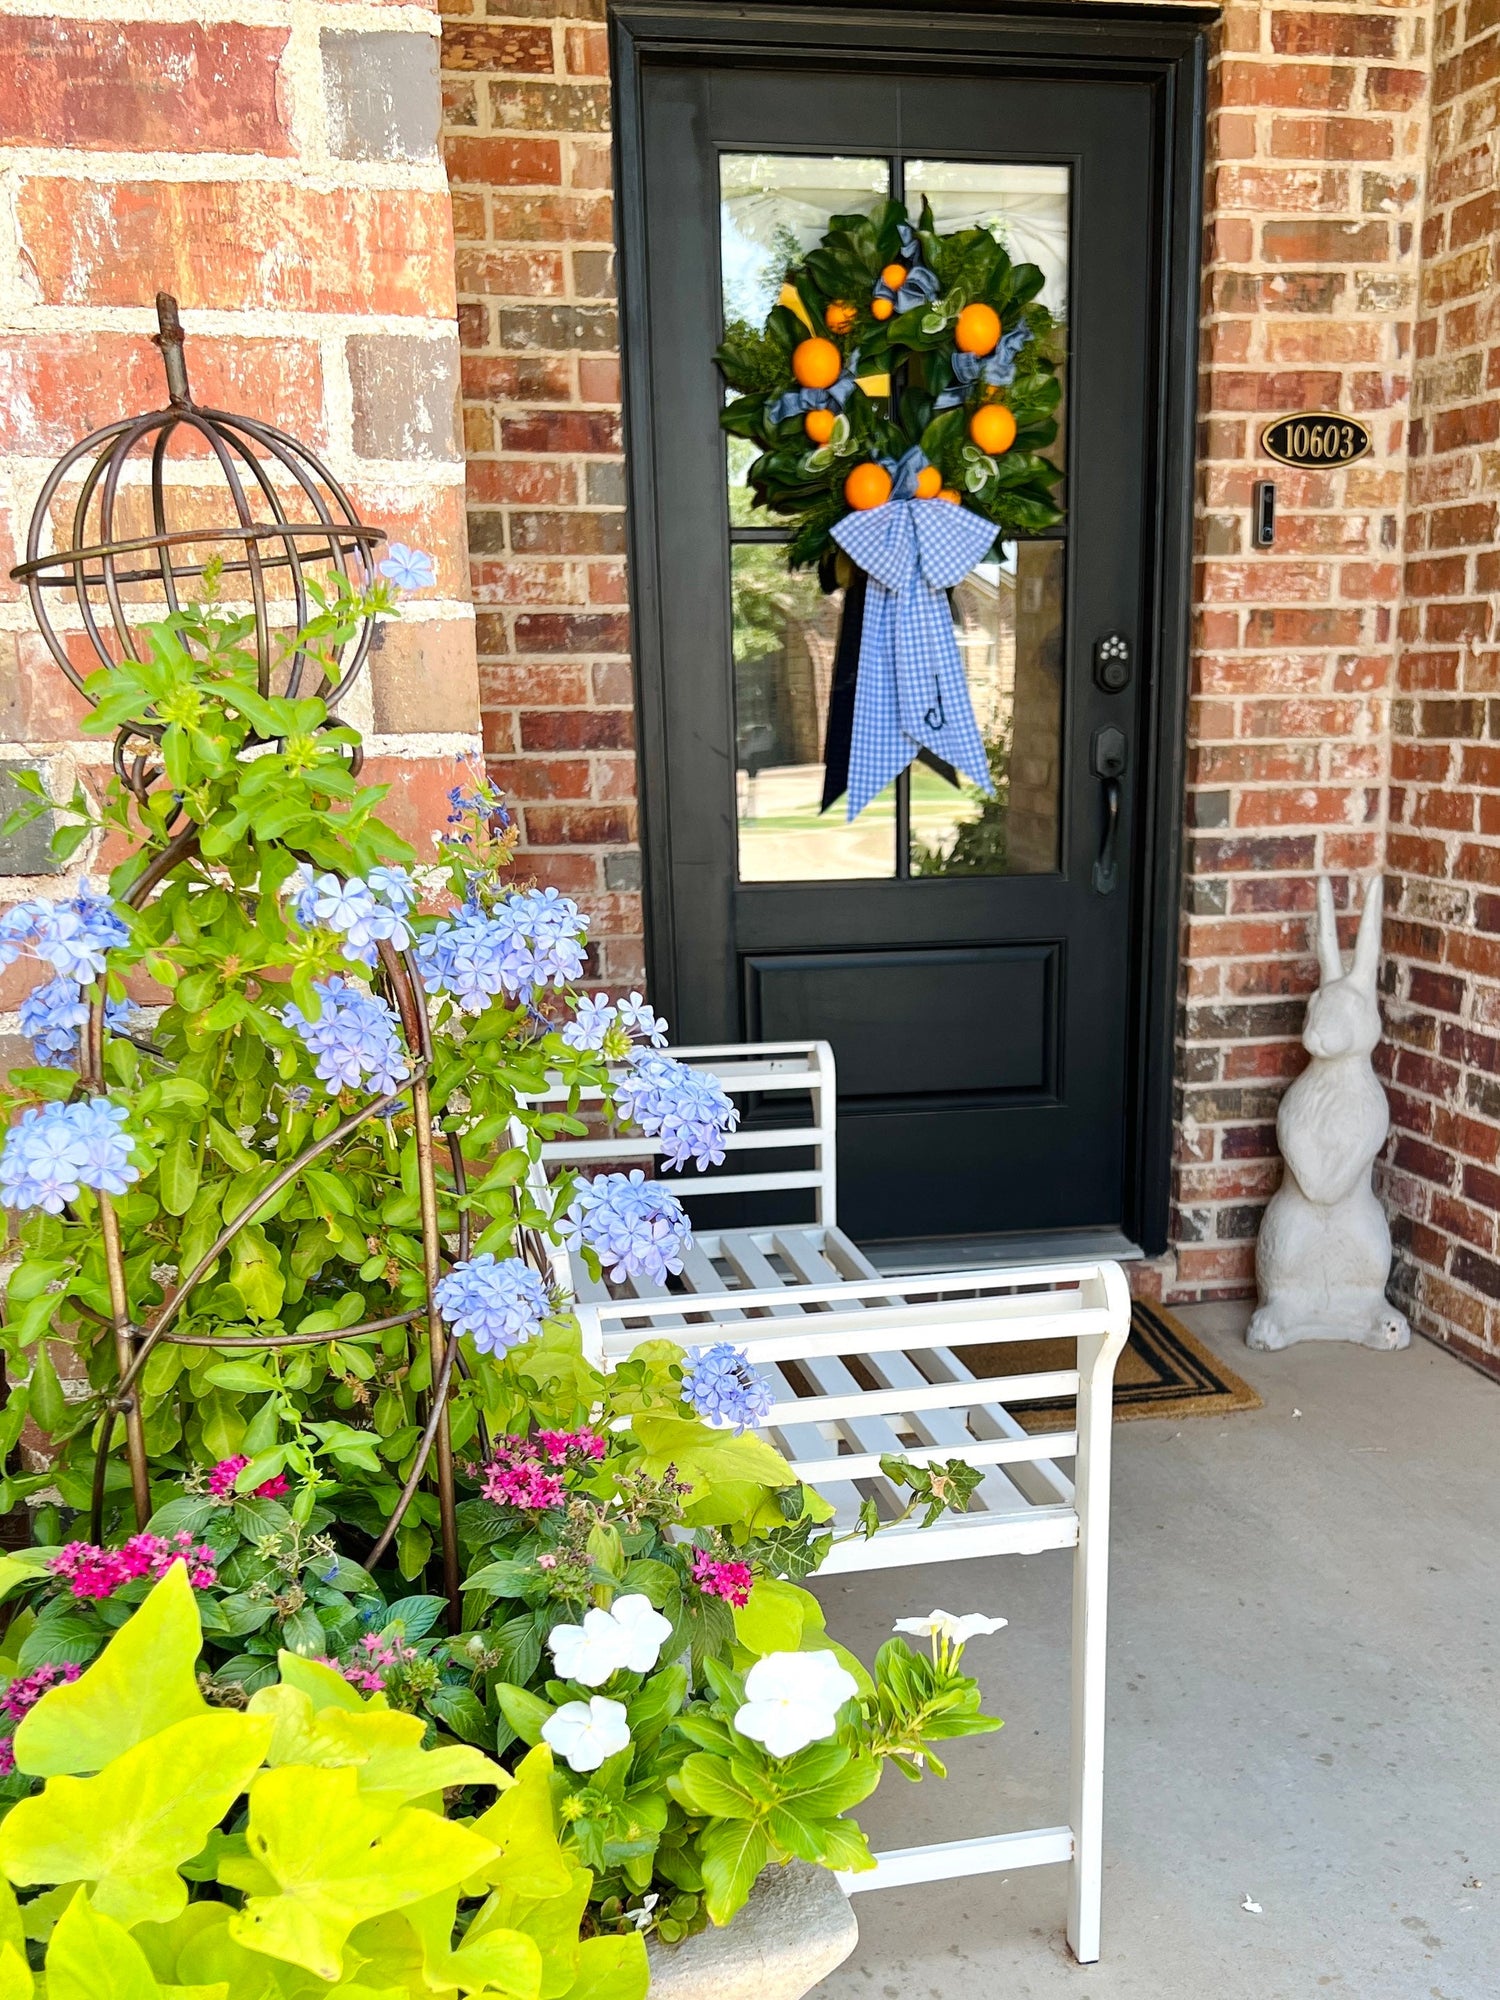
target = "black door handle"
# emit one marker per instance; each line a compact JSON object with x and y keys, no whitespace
{"x":1107,"y":758}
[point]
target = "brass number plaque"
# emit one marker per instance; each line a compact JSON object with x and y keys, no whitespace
{"x":1315,"y":438}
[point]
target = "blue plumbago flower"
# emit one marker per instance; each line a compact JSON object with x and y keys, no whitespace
{"x":55,"y":1151}
{"x":72,"y":936}
{"x":529,"y":940}
{"x":119,"y":1016}
{"x":500,"y":1302}
{"x":363,"y":910}
{"x":99,"y":1124}
{"x":687,"y":1109}
{"x":591,"y":1022}
{"x":724,"y":1389}
{"x":354,"y":1038}
{"x":636,"y":1228}
{"x":408,"y":569}
{"x":637,"y":1019}
{"x":52,"y":1015}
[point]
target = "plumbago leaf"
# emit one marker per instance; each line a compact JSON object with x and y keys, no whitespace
{"x":337,"y":1858}
{"x":128,"y":1829}
{"x":143,"y":1681}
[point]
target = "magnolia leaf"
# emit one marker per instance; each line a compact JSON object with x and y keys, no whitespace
{"x":129,"y":1828}
{"x":91,"y":1957}
{"x":611,"y":1968}
{"x":523,"y":1826}
{"x":338,"y":1858}
{"x":143,"y":1681}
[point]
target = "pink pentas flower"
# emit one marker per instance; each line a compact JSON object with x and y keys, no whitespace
{"x":560,"y":1446}
{"x":515,"y":1477}
{"x":733,"y":1581}
{"x":26,"y":1690}
{"x":227,"y":1471}
{"x":92,"y":1572}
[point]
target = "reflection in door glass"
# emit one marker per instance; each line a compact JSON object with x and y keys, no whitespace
{"x":772,"y":208}
{"x":1024,"y":206}
{"x":785,"y":631}
{"x":1009,"y":619}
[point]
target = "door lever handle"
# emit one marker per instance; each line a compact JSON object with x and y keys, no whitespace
{"x":1108,"y":757}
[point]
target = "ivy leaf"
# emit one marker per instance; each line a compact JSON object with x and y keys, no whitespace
{"x":130,"y":1828}
{"x":338,"y":1859}
{"x":144,"y":1681}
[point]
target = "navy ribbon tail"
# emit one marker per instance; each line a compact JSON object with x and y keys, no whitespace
{"x":839,"y":730}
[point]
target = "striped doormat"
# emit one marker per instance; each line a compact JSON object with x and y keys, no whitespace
{"x":1165,"y":1371}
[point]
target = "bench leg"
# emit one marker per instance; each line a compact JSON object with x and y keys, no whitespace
{"x":1096,"y":1361}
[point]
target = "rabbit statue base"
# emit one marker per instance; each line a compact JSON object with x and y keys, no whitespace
{"x":1324,"y":1253}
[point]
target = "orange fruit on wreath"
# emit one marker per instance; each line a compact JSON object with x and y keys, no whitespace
{"x":817,"y":363}
{"x":868,"y":485}
{"x":993,"y":428}
{"x":881,"y":308}
{"x":894,"y":275}
{"x":952,"y":494}
{"x":819,"y":425}
{"x":929,"y":483}
{"x":977,"y":330}
{"x":840,"y":316}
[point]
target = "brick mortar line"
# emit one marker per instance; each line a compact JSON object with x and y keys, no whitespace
{"x":229,"y":13}
{"x":261,"y":323}
{"x":329,"y":175}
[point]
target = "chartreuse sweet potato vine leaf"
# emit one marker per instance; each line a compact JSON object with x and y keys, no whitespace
{"x":383,"y":1745}
{"x":336,"y":1858}
{"x":94,"y":1958}
{"x":143,"y":1681}
{"x":16,"y":1982}
{"x":523,"y":1826}
{"x":129,"y":1829}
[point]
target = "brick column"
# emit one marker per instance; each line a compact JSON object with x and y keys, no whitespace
{"x":281,"y":176}
{"x":1316,"y":144}
{"x":526,"y":108}
{"x":1443,"y":932}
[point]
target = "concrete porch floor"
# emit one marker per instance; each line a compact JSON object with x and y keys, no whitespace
{"x":1304,"y":1709}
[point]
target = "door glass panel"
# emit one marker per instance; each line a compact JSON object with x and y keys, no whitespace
{"x":1008,"y":616}
{"x":785,"y":631}
{"x":773,"y":207}
{"x":1024,"y":206}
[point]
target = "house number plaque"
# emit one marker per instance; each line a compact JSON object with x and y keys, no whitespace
{"x":1315,"y":438}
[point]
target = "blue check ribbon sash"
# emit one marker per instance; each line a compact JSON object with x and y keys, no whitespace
{"x":911,"y":691}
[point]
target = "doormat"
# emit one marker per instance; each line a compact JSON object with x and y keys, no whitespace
{"x":1165,"y":1371}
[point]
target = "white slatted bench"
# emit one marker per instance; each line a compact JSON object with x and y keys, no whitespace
{"x":864,"y":1364}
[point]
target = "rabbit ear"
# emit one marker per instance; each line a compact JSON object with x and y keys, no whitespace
{"x":1330,"y":959}
{"x":1367,"y":945}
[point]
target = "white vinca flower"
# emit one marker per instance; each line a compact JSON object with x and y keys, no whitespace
{"x":585,"y":1733}
{"x":630,"y":1634}
{"x":793,"y":1699}
{"x":588,"y":1653}
{"x":643,"y":1632}
{"x":948,"y":1626}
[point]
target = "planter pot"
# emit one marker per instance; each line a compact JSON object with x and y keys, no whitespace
{"x":796,"y":1927}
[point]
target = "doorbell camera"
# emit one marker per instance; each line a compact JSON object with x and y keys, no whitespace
{"x":1263,"y":514}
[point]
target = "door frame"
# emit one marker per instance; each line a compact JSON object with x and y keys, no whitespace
{"x":1162,"y":46}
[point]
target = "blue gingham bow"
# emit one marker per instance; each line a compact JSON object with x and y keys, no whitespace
{"x":797,"y":402}
{"x":911,"y":692}
{"x":921,"y":286}
{"x":998,"y":368}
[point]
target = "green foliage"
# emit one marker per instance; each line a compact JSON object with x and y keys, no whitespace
{"x":300,"y":1848}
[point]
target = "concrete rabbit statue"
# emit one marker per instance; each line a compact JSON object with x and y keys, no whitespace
{"x":1324,"y":1253}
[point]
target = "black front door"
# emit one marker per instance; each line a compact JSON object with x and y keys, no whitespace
{"x":974,"y":964}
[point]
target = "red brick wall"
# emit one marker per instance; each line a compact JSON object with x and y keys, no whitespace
{"x":1316,"y":152}
{"x":526,"y":124}
{"x":1443,"y":932}
{"x":281,"y":176}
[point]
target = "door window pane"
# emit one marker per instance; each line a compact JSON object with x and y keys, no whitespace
{"x":1025,"y":207}
{"x":773,"y":207}
{"x":785,"y":631}
{"x":1008,"y":616}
